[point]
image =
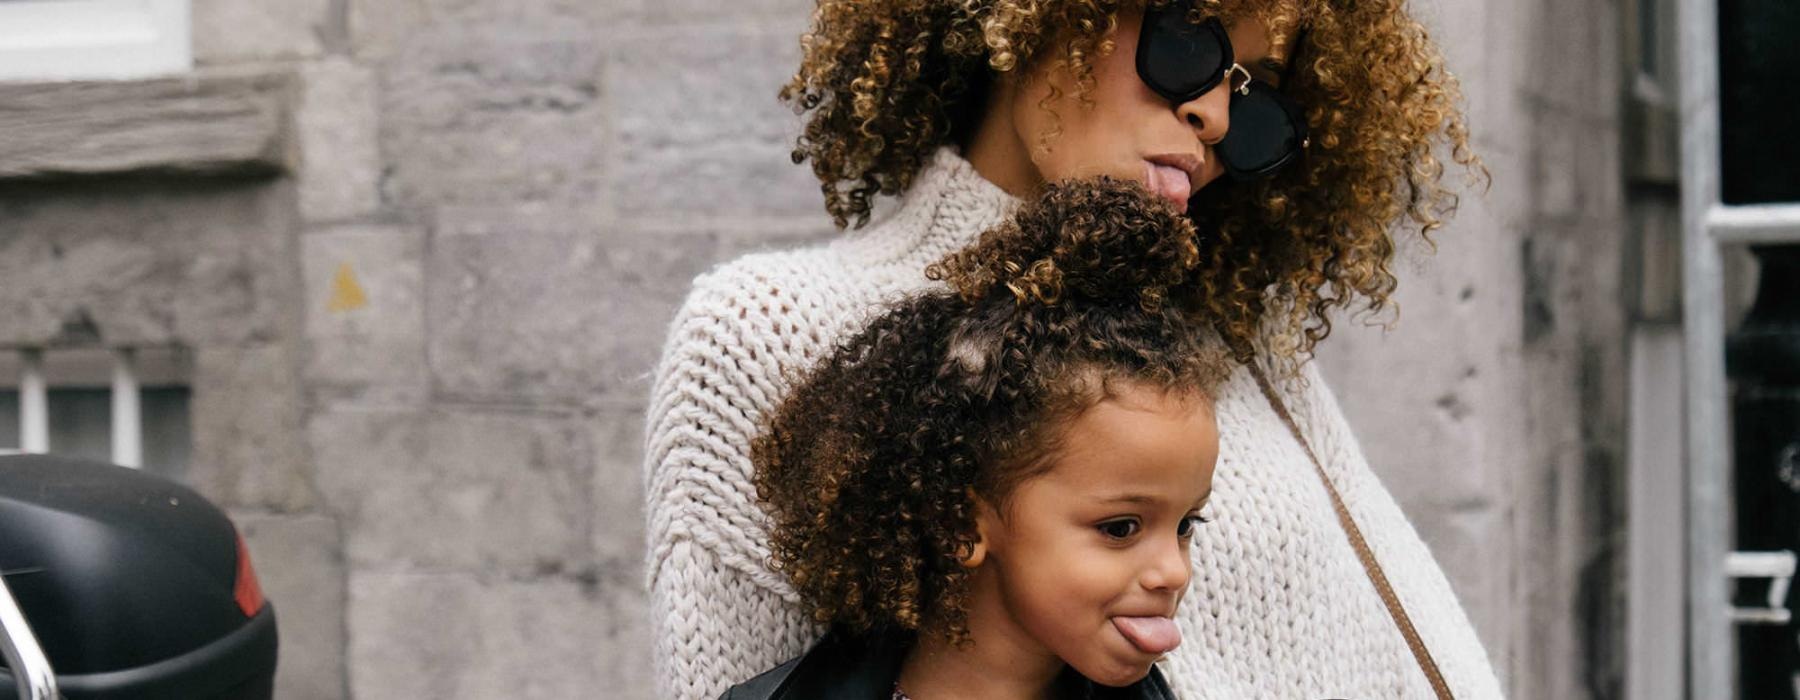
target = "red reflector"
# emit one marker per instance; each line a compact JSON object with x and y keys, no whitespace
{"x":246,"y":590}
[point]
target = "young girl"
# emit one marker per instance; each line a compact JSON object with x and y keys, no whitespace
{"x":989,"y":492}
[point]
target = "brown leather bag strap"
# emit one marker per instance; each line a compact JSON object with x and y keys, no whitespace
{"x":1370,"y":566}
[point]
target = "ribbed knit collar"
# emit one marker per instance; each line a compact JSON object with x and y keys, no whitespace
{"x":947,"y":208}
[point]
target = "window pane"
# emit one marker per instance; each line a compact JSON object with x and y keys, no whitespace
{"x":93,"y":39}
{"x":1759,"y":58}
{"x":81,"y":425}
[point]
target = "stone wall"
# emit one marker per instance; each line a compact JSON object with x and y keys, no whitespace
{"x":422,"y":322}
{"x":1494,"y":404}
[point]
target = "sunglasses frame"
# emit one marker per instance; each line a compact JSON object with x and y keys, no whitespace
{"x":1213,"y":26}
{"x":1302,"y":138}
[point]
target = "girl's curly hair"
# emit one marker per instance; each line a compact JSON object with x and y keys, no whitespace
{"x":883,"y":83}
{"x":868,"y":468}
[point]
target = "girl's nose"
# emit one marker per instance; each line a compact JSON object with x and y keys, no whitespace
{"x":1169,"y":568}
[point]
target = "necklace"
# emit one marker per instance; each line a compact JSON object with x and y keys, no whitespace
{"x":898,"y":693}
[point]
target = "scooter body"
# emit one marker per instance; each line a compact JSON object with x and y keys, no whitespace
{"x":125,"y":585}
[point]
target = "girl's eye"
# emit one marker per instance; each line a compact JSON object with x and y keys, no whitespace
{"x":1186,"y":528}
{"x":1119,"y":529}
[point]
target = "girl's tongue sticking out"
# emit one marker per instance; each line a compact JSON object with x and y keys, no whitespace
{"x":1151,"y":635}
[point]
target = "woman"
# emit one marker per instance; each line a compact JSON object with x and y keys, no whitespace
{"x":960,"y":107}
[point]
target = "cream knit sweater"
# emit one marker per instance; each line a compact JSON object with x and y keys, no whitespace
{"x":1279,"y":606}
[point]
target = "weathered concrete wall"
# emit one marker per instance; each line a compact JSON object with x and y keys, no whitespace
{"x":440,"y":474}
{"x":1494,"y":405}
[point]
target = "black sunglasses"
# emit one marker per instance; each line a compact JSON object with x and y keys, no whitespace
{"x":1181,"y":60}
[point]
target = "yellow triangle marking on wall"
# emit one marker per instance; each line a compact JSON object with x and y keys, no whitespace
{"x":346,"y":293}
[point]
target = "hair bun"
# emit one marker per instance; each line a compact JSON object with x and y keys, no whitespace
{"x":1098,"y":240}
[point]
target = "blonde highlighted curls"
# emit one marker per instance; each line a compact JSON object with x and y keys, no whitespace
{"x":1321,"y":236}
{"x":883,"y":83}
{"x":887,"y":81}
{"x":867,"y":467}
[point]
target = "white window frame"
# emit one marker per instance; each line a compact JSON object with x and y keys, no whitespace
{"x":57,"y":40}
{"x":1708,"y":226}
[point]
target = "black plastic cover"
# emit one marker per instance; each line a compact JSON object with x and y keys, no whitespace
{"x":122,"y":574}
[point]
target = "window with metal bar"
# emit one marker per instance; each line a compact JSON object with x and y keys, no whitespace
{"x":126,"y":406}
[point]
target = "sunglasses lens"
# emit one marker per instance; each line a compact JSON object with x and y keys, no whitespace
{"x":1181,"y":57}
{"x":1261,"y":132}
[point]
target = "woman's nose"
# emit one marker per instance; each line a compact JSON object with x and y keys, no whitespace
{"x":1209,"y":115}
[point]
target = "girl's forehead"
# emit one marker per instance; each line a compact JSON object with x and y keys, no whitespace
{"x":1141,"y":437}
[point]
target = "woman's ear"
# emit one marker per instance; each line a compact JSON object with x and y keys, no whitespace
{"x":976,"y":552}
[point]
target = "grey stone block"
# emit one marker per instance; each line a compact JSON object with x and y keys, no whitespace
{"x":340,"y":156}
{"x":379,"y":28}
{"x":143,"y":263}
{"x":247,"y":30}
{"x":1574,"y":49}
{"x":456,"y":636}
{"x":700,"y":132}
{"x":1558,"y":188}
{"x":249,"y":450}
{"x":785,"y":15}
{"x":299,"y":562}
{"x":540,"y":310}
{"x":215,"y":121}
{"x":365,"y":312}
{"x":504,"y":492}
{"x":473,"y":115}
{"x":618,"y":487}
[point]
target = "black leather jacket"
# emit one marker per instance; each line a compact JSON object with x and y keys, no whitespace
{"x":846,"y":667}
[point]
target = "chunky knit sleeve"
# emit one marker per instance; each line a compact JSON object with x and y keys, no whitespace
{"x":715,"y":626}
{"x":719,"y":614}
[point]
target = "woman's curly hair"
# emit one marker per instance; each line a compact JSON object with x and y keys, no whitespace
{"x":883,"y":83}
{"x":868,"y":468}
